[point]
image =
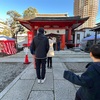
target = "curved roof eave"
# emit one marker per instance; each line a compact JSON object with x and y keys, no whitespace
{"x":52,"y":19}
{"x":78,"y":19}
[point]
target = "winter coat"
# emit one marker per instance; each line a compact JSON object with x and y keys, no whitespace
{"x":51,"y":49}
{"x":89,"y":82}
{"x":40,"y":46}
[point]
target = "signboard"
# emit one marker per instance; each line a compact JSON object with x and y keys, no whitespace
{"x":30,"y":37}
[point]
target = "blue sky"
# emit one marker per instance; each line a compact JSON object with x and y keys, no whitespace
{"x":43,"y":6}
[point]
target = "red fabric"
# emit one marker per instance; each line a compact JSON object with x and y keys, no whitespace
{"x":8,"y":47}
{"x":30,"y":37}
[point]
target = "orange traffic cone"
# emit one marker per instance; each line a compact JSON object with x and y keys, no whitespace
{"x":26,"y":60}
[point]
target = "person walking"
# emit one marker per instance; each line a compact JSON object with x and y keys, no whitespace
{"x":58,"y":44}
{"x":39,"y":49}
{"x":54,"y":44}
{"x":90,"y":79}
{"x":50,"y":53}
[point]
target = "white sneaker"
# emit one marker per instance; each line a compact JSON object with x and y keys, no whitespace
{"x":43,"y":80}
{"x":39,"y":81}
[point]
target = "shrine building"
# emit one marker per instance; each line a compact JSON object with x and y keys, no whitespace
{"x":57,"y":25}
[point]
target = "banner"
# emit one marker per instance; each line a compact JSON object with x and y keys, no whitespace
{"x":30,"y":37}
{"x":8,"y":47}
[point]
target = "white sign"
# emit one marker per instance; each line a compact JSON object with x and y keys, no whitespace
{"x":26,"y":50}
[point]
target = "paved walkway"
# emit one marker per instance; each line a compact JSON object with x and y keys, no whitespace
{"x":25,"y":86}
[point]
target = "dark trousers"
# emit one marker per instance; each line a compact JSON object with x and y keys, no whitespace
{"x":58,"y":47}
{"x":54,"y":46}
{"x":40,"y":64}
{"x":49,"y":62}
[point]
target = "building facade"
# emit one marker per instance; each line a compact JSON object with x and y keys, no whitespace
{"x":55,"y":25}
{"x":81,"y":34}
{"x":86,"y":8}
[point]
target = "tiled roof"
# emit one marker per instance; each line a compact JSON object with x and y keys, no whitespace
{"x":97,"y":28}
{"x":57,"y":18}
{"x":51,"y":15}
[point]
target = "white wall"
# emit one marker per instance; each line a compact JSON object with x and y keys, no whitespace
{"x":88,"y":31}
{"x":22,"y":37}
{"x":83,"y":34}
{"x":61,"y":31}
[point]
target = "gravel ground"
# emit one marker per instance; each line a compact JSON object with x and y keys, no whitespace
{"x":8,"y":72}
{"x":76,"y":67}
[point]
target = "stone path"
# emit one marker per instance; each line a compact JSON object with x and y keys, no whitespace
{"x":25,"y":86}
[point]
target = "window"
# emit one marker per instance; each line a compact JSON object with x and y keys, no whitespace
{"x":78,"y":36}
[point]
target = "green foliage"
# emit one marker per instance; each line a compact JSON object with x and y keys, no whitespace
{"x":3,"y":23}
{"x":14,"y":25}
{"x":13,"y":14}
{"x":6,"y":32}
{"x":12,"y":22}
{"x":30,"y":12}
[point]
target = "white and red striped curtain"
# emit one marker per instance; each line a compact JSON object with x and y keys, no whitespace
{"x":8,"y":47}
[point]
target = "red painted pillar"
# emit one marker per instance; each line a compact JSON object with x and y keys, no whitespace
{"x":30,"y":37}
{"x":63,"y":41}
{"x":69,"y":34}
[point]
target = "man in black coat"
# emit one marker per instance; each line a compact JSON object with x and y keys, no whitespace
{"x":39,"y":49}
{"x":89,"y":80}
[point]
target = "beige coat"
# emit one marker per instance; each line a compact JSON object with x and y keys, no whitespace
{"x":51,"y":50}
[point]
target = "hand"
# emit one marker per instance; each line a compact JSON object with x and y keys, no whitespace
{"x":34,"y":61}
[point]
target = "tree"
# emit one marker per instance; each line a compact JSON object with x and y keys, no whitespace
{"x":5,"y":29}
{"x":30,"y":12}
{"x":6,"y":32}
{"x":12,"y":21}
{"x":13,"y":14}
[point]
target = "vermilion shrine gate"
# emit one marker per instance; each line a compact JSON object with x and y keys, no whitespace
{"x":57,"y":25}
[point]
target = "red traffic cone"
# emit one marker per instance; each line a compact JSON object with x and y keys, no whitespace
{"x":26,"y":60}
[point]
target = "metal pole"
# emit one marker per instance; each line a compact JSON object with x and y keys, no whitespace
{"x":95,"y":37}
{"x":16,"y":41}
